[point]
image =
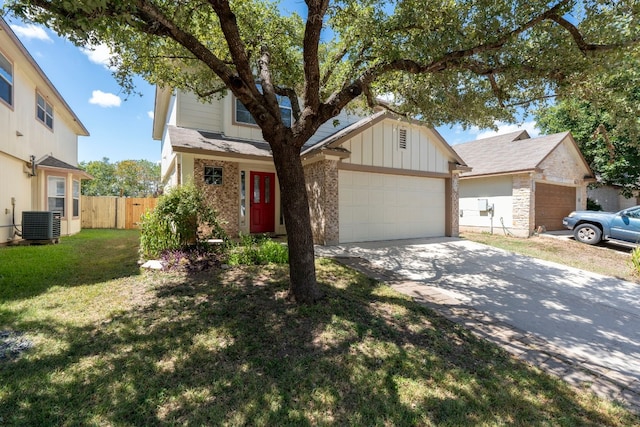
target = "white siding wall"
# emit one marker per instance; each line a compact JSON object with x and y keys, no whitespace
{"x":218,"y":116}
{"x":378,"y":146}
{"x":194,"y":114}
{"x":36,"y":139}
{"x":13,"y":183}
{"x":497,"y":191}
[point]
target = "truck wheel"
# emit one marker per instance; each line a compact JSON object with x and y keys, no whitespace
{"x":587,"y":233}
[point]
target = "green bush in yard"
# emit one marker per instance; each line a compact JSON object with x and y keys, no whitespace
{"x":635,"y":259}
{"x":181,"y":218}
{"x":257,"y":250}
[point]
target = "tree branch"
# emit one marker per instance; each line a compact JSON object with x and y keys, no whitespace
{"x":293,"y":98}
{"x":231,"y":32}
{"x":311,"y":42}
{"x":579,"y":39}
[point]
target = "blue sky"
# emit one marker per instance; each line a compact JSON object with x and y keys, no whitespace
{"x":120,"y":126}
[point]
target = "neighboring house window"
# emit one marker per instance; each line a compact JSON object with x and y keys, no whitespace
{"x":6,"y":80}
{"x":244,"y":116}
{"x":212,"y":175}
{"x":76,"y":198}
{"x":56,"y":194}
{"x":44,"y":111}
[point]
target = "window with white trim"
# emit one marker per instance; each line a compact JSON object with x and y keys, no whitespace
{"x":244,"y":116}
{"x":76,"y":198}
{"x":56,"y":190}
{"x":213,"y":175}
{"x":44,"y":111}
{"x":6,"y":80}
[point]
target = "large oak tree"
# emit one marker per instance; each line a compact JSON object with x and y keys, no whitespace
{"x":465,"y":61}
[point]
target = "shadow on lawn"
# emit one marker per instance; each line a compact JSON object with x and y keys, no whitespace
{"x":228,"y":348}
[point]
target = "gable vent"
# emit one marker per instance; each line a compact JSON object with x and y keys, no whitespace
{"x":402,"y":139}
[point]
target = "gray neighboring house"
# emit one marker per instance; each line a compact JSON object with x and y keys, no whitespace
{"x":610,"y":199}
{"x":520,"y":184}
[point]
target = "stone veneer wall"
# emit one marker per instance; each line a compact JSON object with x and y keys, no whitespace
{"x":322,"y":189}
{"x":225,"y":198}
{"x":523,"y":201}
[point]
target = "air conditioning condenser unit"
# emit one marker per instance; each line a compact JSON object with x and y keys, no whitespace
{"x":40,"y":225}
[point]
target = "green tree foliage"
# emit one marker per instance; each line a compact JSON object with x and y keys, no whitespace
{"x":611,"y":149}
{"x":127,"y":178}
{"x":467,"y":61}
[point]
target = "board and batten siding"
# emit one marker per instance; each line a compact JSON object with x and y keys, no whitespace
{"x":378,"y":146}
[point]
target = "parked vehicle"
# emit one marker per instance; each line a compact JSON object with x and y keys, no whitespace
{"x":591,"y":227}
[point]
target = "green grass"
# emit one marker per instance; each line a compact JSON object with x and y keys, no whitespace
{"x":228,"y":348}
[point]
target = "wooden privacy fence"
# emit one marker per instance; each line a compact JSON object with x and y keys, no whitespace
{"x":114,"y":212}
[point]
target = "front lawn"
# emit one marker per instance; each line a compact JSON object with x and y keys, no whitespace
{"x":112,"y":346}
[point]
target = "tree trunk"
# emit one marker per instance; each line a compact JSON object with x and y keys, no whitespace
{"x":303,"y":287}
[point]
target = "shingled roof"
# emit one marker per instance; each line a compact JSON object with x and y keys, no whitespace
{"x":510,"y":153}
{"x":194,"y":141}
{"x":51,"y":163}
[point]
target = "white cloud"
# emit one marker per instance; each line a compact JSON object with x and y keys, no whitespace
{"x":31,"y":31}
{"x":150,"y":114}
{"x":503,"y":128}
{"x":104,"y":99}
{"x":100,"y":54}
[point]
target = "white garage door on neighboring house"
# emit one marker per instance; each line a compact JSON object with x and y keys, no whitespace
{"x":383,"y":207}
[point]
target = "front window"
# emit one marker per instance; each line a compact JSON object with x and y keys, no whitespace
{"x":244,"y":116}
{"x":6,"y":80}
{"x":44,"y":111}
{"x":212,"y":175}
{"x":76,"y":198}
{"x":56,"y":194}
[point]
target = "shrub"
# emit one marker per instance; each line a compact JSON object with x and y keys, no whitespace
{"x":635,"y":259}
{"x":592,"y":205}
{"x":181,"y":218}
{"x":257,"y":250}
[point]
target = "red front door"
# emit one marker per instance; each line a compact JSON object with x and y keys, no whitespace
{"x":263,"y":211}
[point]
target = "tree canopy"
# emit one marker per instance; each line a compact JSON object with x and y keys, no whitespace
{"x":466,"y":61}
{"x":127,"y":178}
{"x":611,"y":148}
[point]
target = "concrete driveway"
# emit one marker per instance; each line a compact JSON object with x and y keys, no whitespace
{"x":593,"y":319}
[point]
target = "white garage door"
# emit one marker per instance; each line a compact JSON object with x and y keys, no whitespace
{"x":384,"y":207}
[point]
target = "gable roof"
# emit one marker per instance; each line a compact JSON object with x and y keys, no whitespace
{"x":80,"y":129}
{"x":333,"y":142}
{"x":511,"y":153}
{"x":187,"y":140}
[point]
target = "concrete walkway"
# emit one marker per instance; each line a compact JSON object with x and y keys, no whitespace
{"x":579,"y":326}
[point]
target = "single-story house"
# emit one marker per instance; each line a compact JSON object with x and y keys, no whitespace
{"x":519,"y":184}
{"x":368,"y":178}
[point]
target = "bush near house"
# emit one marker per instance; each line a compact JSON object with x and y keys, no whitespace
{"x":181,"y":219}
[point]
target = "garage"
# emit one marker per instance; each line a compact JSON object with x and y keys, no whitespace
{"x":376,"y":206}
{"x":552,"y":203}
